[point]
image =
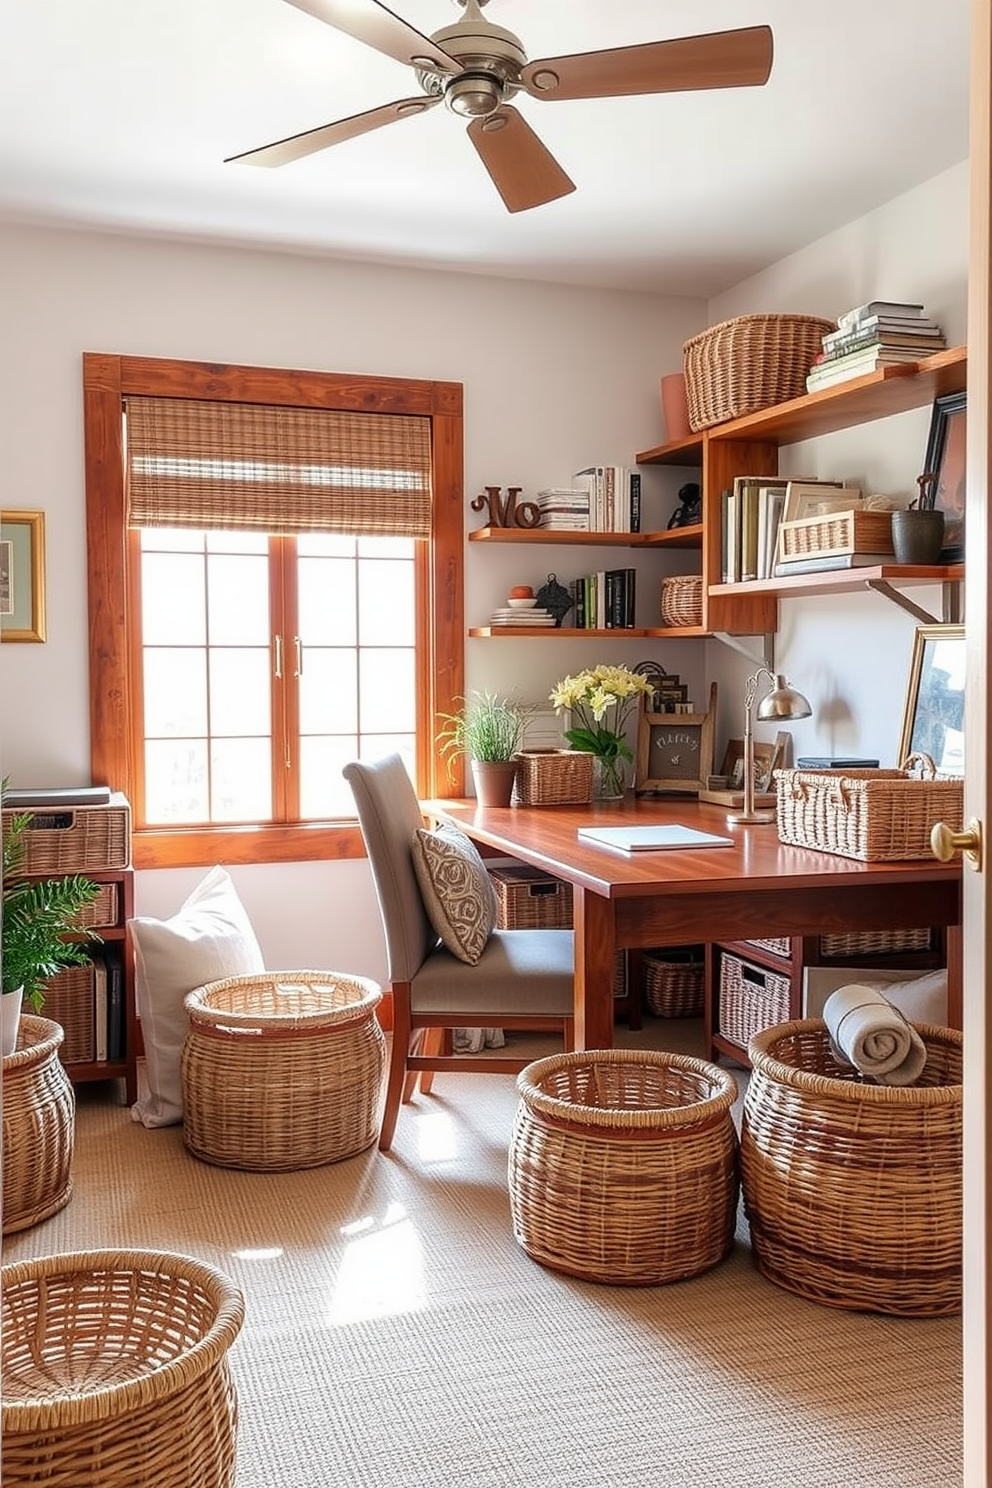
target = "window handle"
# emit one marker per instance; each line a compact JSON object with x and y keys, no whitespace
{"x":299,"y":656}
{"x":277,"y":655}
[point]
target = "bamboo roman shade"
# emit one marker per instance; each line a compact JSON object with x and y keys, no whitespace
{"x":219,"y":465}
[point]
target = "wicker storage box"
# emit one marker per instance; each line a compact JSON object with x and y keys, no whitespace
{"x":751,"y":362}
{"x":282,"y":1070}
{"x":752,"y":998}
{"x":78,"y":838}
{"x":673,"y":982}
{"x":779,"y":945}
{"x":69,"y":1002}
{"x":623,"y":1165}
{"x":39,"y":1119}
{"x":682,"y":600}
{"x":115,"y":1371}
{"x":553,"y":777}
{"x":874,"y":815}
{"x":836,"y":533}
{"x":528,"y":899}
{"x":102,"y":912}
{"x":853,"y":1190}
{"x":876,"y":942}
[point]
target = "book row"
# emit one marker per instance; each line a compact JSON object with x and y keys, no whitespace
{"x":604,"y":600}
{"x":601,"y":498}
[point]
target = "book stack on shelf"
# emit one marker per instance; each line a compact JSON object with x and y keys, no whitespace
{"x":564,"y":509}
{"x":509,"y":615}
{"x":881,"y":333}
{"x":604,"y":600}
{"x":753,"y":510}
{"x":614,"y":497}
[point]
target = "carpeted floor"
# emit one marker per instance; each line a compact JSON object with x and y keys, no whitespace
{"x":397,"y":1337}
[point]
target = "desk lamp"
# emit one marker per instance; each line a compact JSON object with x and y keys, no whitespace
{"x":782,"y":702}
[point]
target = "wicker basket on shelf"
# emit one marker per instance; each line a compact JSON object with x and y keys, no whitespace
{"x":751,"y":362}
{"x":853,"y":1190}
{"x":673,"y":982}
{"x":682,"y":600}
{"x":553,"y":777}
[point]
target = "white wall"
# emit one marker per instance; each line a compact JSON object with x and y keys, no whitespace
{"x":555,"y":377}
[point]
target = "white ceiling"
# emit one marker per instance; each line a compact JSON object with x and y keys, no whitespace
{"x":119,"y":113}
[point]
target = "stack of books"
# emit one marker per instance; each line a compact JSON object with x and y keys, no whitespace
{"x":614,"y":497}
{"x":507,"y":615}
{"x":564,"y":508}
{"x":881,"y":333}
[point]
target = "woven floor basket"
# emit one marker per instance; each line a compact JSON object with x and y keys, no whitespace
{"x":852,"y":1190}
{"x":282,"y":1070}
{"x":553,"y":777}
{"x":623,"y":1165}
{"x":39,"y":1122}
{"x":682,"y":600}
{"x":749,"y":363}
{"x":115,"y":1371}
{"x":673,"y":986}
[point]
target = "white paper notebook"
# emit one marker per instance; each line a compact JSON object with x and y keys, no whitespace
{"x":651,"y":839}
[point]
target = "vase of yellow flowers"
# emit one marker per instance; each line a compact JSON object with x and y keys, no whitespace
{"x":600,"y":700}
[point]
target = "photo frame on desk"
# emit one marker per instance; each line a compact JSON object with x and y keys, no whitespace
{"x":675,"y":751}
{"x":22,"y":576}
{"x":933,"y":719}
{"x":768,"y":757}
{"x":945,"y":462}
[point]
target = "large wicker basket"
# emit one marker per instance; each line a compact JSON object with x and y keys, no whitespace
{"x":282,"y":1070}
{"x":873,"y":815}
{"x":115,"y":1371}
{"x":749,"y":363}
{"x":853,"y":1190}
{"x":39,"y":1122}
{"x":553,"y":777}
{"x":623,"y":1165}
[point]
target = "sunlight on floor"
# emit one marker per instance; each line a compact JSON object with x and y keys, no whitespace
{"x":436,"y":1137}
{"x":381,"y":1273}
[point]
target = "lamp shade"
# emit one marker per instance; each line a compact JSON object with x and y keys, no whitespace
{"x":784,"y":702}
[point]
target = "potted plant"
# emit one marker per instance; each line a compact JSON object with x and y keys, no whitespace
{"x":37,"y":915}
{"x":589,"y":697}
{"x":489,"y":730}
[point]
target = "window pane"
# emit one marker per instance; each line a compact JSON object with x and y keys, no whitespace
{"x":387,"y":691}
{"x":176,"y":781}
{"x":327,"y":601}
{"x":239,"y":692}
{"x":323,"y":790}
{"x":241,"y":787}
{"x":238,"y":600}
{"x":175,"y":692}
{"x":386,"y":547}
{"x":328,"y":699}
{"x":374,"y":746}
{"x":172,"y":600}
{"x":385,"y":603}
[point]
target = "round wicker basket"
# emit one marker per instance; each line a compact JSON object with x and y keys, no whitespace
{"x":115,"y":1371}
{"x":682,"y":600}
{"x":282,"y":1070}
{"x":623,"y":1165}
{"x":853,"y":1190}
{"x":39,"y":1119}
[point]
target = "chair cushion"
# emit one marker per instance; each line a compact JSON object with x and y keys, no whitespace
{"x":209,"y":938}
{"x":456,"y":889}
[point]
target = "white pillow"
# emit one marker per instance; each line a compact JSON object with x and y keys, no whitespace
{"x":210,"y":938}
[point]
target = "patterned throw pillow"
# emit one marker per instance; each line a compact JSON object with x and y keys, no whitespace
{"x":458,"y":894}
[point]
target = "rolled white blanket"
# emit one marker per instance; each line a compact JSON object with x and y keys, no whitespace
{"x":873,"y":1035}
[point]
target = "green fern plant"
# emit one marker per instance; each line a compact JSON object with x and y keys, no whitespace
{"x":489,"y":729}
{"x":37,"y":915}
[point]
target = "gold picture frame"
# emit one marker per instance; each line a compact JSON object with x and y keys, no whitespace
{"x":933,"y":718}
{"x":22,"y":576}
{"x":675,"y":751}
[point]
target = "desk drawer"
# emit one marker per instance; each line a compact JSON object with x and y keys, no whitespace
{"x":752,"y":998}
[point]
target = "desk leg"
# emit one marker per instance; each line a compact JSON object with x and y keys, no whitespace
{"x":955,"y":976}
{"x":595,"y":954}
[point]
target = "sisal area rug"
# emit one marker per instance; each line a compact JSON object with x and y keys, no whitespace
{"x":397,"y":1337}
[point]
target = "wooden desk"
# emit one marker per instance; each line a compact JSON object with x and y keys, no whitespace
{"x":757,"y":888}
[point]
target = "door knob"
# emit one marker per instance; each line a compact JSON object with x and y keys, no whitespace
{"x":944,"y":842}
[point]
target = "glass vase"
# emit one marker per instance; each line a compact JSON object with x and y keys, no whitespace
{"x":609,"y":778}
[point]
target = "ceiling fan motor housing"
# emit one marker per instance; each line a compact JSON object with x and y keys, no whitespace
{"x":491,"y":59}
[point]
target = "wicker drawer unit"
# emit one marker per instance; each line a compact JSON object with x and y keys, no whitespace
{"x":78,"y":838}
{"x":752,"y":998}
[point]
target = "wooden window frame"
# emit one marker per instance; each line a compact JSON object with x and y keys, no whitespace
{"x":107,"y":382}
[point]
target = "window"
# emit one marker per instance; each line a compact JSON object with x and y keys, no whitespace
{"x":235,"y":669}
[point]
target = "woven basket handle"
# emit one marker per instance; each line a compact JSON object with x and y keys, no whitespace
{"x":839,"y":797}
{"x":920,"y":765}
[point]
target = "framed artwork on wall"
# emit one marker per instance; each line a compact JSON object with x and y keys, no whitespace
{"x":22,"y":576}
{"x":933,"y":719}
{"x":945,"y":465}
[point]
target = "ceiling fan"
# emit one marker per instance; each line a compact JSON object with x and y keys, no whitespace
{"x":476,"y":67}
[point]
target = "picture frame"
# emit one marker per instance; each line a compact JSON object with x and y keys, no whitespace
{"x":814,"y":499}
{"x":768,"y":757}
{"x":945,"y":462}
{"x":22,"y":576}
{"x":675,"y":751}
{"x":933,"y":717}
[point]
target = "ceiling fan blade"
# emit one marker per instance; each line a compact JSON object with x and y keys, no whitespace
{"x":722,"y":59}
{"x":523,"y":170}
{"x":298,"y":145}
{"x":368,"y":21}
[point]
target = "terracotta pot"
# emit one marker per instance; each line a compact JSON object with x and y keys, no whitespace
{"x":674,"y":407}
{"x":494,"y":781}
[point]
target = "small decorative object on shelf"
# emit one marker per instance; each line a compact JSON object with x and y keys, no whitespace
{"x":688,"y":513}
{"x":504,"y":511}
{"x":589,"y":697}
{"x":554,"y":598}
